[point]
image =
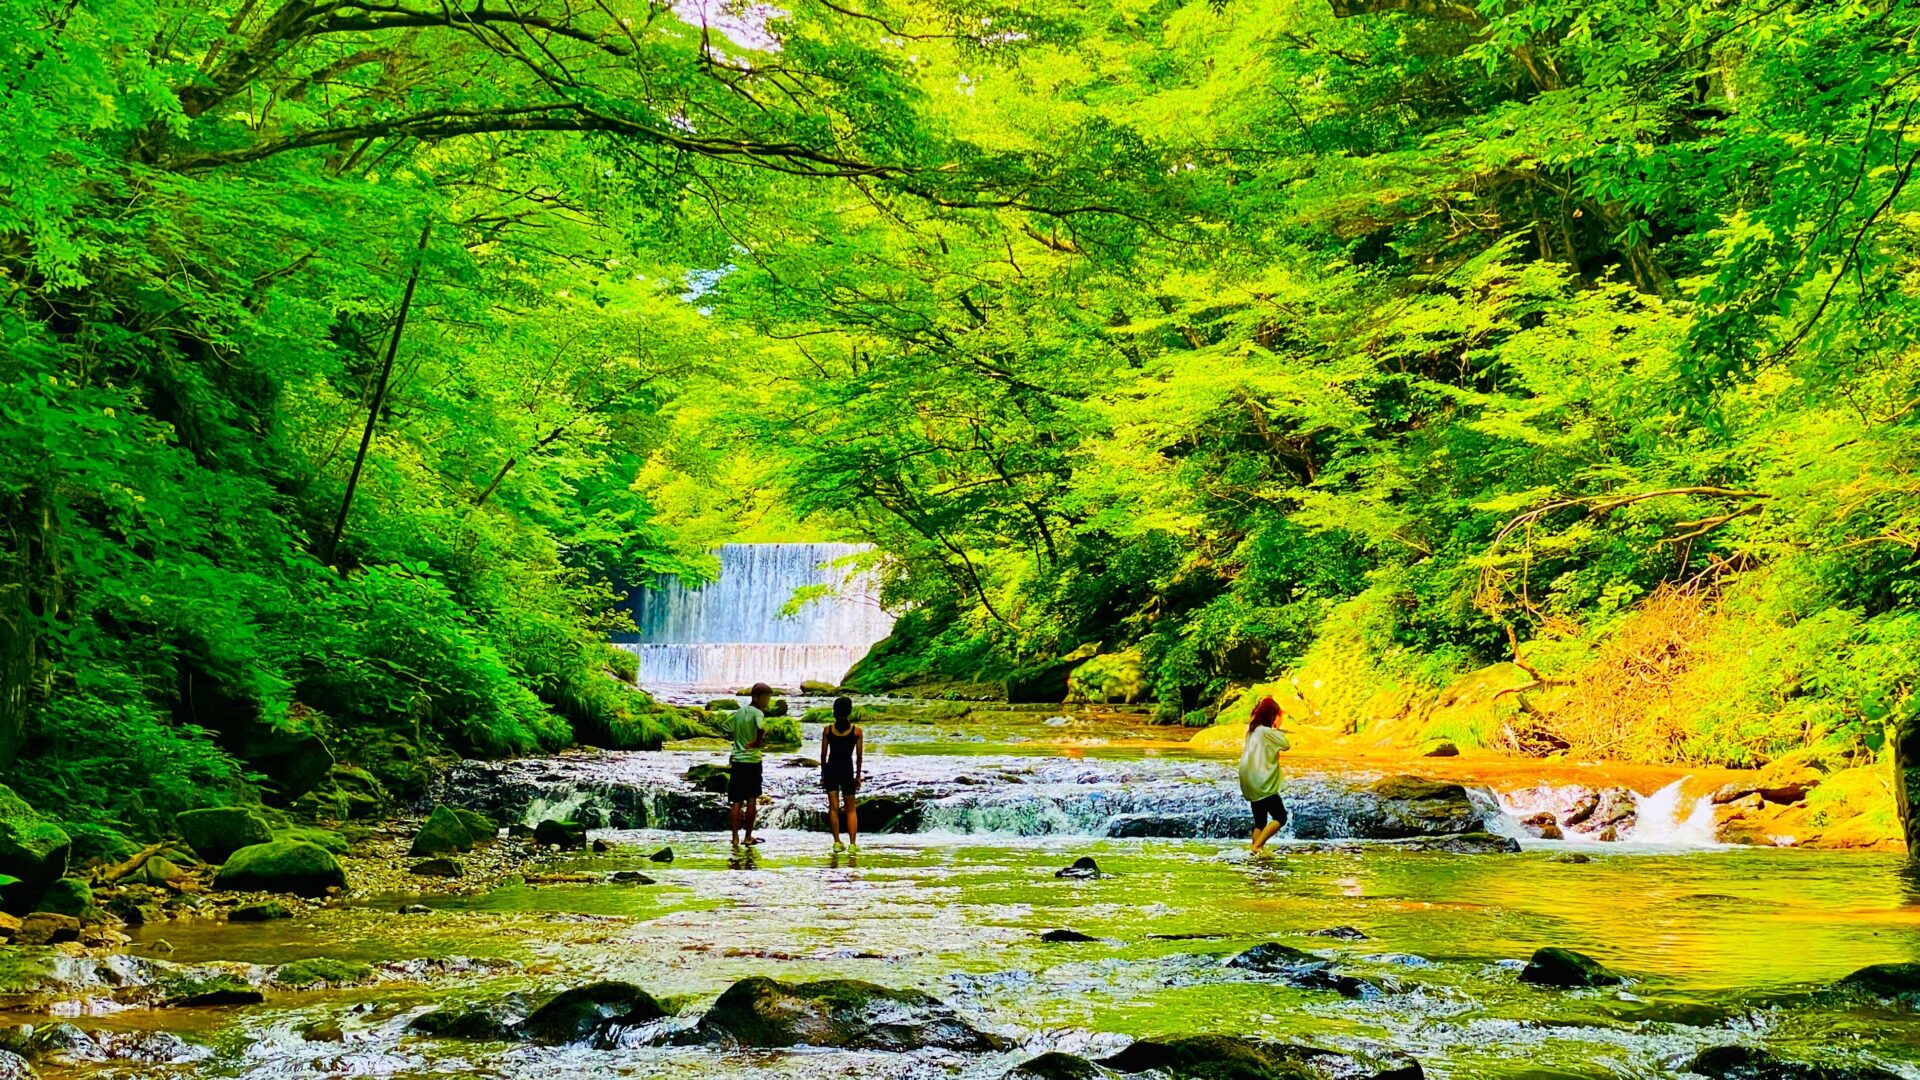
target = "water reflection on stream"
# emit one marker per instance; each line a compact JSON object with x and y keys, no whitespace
{"x":1723,"y":946}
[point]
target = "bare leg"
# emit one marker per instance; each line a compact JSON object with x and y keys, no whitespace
{"x":853,"y":821}
{"x":1262,"y":835}
{"x":753,"y":815}
{"x":733,"y":819}
{"x":833,"y":814}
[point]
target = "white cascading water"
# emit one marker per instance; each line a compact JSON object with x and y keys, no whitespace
{"x":730,"y":632}
{"x":1668,"y":817}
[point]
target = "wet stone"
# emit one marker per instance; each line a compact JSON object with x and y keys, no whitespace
{"x":47,"y":928}
{"x":441,"y":868}
{"x":266,"y":911}
{"x":1067,"y":936}
{"x":1343,"y":933}
{"x":590,"y":1012}
{"x":415,"y":909}
{"x":1752,"y":1063}
{"x":630,"y":877}
{"x":1082,"y":868}
{"x":492,"y":1021}
{"x":1554,"y":966}
{"x":1901,"y":981}
{"x":1054,"y":1065}
{"x":14,"y":1067}
{"x":1574,"y":857}
{"x":665,"y":854}
{"x":565,"y":835}
{"x":841,"y":1013}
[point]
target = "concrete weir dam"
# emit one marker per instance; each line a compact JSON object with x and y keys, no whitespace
{"x":730,"y":632}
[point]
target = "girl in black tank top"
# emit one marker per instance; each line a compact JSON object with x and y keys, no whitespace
{"x":842,"y":759}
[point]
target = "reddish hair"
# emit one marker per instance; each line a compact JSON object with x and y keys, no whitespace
{"x":1264,"y":714}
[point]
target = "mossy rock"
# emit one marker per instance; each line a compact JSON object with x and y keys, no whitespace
{"x":265,"y":911}
{"x":100,"y":845}
{"x":1898,"y":980}
{"x":217,"y":832}
{"x":590,"y":1011}
{"x":479,"y":826}
{"x":815,"y":688}
{"x":783,"y":732}
{"x":709,"y":778}
{"x":442,"y":833}
{"x":1110,"y":677}
{"x":819,"y":714}
{"x":291,"y":866}
{"x":33,"y":851}
{"x":565,"y":835}
{"x":193,"y":989}
{"x":321,"y":971}
{"x":1553,"y":966}
{"x":70,"y":896}
{"x":842,"y":1013}
{"x":725,"y":704}
{"x":319,"y":837}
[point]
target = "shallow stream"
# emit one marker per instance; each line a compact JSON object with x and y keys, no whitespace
{"x":1721,"y":945}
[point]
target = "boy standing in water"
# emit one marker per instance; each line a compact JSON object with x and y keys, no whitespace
{"x":843,"y":757}
{"x":1260,"y":776}
{"x":744,"y":769}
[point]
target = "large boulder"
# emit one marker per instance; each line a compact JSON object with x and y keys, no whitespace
{"x":33,"y":851}
{"x":815,"y":688}
{"x":1393,"y":808}
{"x":1554,"y":966}
{"x":840,"y":1013}
{"x":218,"y":831}
{"x":565,"y":835}
{"x":70,"y":896}
{"x":491,"y":1021}
{"x":1901,"y":981}
{"x":1752,"y":1063}
{"x":479,"y":826}
{"x":47,"y":928}
{"x":590,"y":1012}
{"x":443,"y":833}
{"x":291,"y":866}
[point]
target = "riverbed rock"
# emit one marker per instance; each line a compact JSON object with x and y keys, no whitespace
{"x":1582,"y":810}
{"x":1554,"y":966}
{"x":15,"y":1067}
{"x":9,"y":926}
{"x":565,"y":835}
{"x":1443,"y":748}
{"x":840,"y":1013}
{"x":1170,"y":826}
{"x":1542,"y":825}
{"x":630,"y":877}
{"x":1572,"y":857}
{"x":265,"y":911}
{"x":70,"y":896}
{"x":491,"y":1021}
{"x":1900,"y":981}
{"x":1299,"y":969}
{"x":215,"y":833}
{"x":590,"y":1012}
{"x":725,"y":704}
{"x":709,"y":777}
{"x":816,"y":688}
{"x":47,"y":928}
{"x":1343,"y":933}
{"x":1753,"y":1063}
{"x":665,"y":854}
{"x":479,"y":826}
{"x":210,"y":990}
{"x":291,"y":866}
{"x":1225,"y":1057}
{"x":1054,"y":1065}
{"x":1066,"y":936}
{"x":1081,"y":869}
{"x":33,"y":851}
{"x":443,"y":833}
{"x":442,"y":867}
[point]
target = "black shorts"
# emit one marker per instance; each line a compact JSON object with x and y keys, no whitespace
{"x":1269,"y":807}
{"x":744,"y":781}
{"x":845,"y":785}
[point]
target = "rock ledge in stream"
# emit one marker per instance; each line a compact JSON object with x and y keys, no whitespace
{"x":840,"y":1013}
{"x":1750,"y":1063}
{"x":1054,"y":1065}
{"x":1554,"y":966}
{"x":1886,"y":980}
{"x":1223,"y":1057}
{"x":1299,"y":969}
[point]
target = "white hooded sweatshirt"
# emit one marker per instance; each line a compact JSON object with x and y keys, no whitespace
{"x":1260,"y":763}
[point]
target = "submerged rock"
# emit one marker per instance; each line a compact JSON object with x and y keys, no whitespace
{"x":1054,"y":1065}
{"x":217,"y":832}
{"x":589,"y":1012}
{"x":1082,"y":868}
{"x":1299,"y":969}
{"x":630,"y":877}
{"x":1575,"y":857}
{"x":1554,"y":966}
{"x":842,"y":1013}
{"x":282,"y":866}
{"x":1344,"y":933}
{"x":266,"y":911}
{"x":1752,"y":1063}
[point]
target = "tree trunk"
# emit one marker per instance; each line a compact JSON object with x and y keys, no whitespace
{"x":1906,"y":780}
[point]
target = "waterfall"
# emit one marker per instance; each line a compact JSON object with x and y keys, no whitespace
{"x":730,"y":632}
{"x":1668,"y":817}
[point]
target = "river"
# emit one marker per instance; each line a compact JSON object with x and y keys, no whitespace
{"x":1720,"y":945}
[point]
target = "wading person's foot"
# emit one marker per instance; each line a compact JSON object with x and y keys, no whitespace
{"x":838,"y":846}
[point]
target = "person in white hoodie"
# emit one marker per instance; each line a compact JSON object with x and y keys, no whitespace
{"x":1260,"y":777}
